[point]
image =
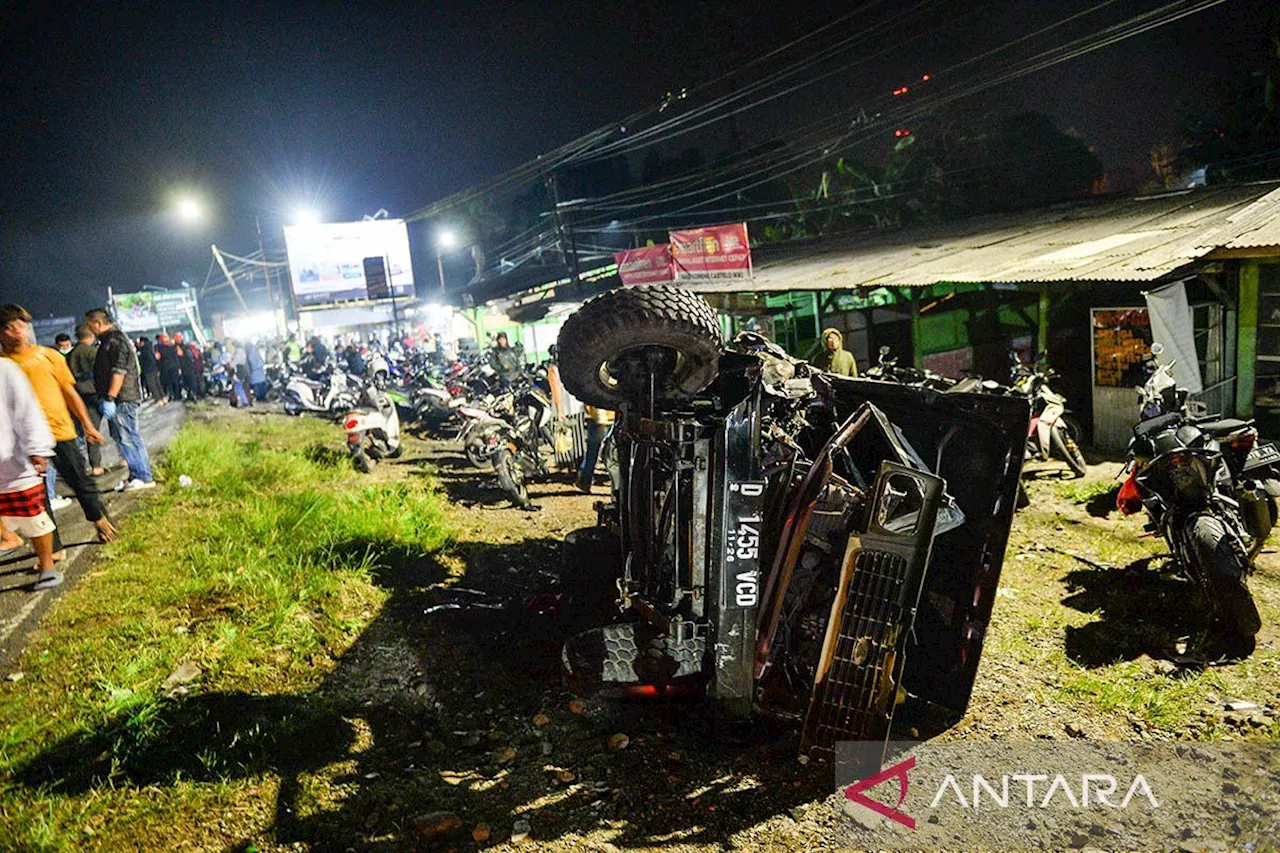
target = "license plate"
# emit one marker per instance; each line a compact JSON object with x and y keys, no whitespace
{"x":1262,"y":454}
{"x":743,"y":520}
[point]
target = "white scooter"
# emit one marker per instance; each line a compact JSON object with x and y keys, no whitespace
{"x":309,"y":395}
{"x":373,"y":430}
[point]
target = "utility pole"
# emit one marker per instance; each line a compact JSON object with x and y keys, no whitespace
{"x":266,"y":271}
{"x":391,"y":289}
{"x":564,"y":236}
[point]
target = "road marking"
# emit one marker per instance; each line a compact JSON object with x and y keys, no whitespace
{"x":13,"y":624}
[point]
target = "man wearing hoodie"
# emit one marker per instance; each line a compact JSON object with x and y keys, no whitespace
{"x":834,"y":358}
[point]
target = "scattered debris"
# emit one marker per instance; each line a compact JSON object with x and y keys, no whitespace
{"x":481,"y":832}
{"x":1241,"y":705}
{"x":435,"y":825}
{"x":619,"y":741}
{"x":520,"y":830}
{"x":187,"y":672}
{"x":541,"y":719}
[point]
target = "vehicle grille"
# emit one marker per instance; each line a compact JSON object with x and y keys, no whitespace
{"x":856,"y":698}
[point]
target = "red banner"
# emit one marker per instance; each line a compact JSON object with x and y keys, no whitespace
{"x":646,"y":265}
{"x":720,"y":251}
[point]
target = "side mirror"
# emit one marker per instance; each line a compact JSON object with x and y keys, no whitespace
{"x":1157,"y":348}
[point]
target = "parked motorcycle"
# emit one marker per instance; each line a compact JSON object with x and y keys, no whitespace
{"x":331,"y":396}
{"x":887,"y":369}
{"x":523,"y":447}
{"x":1179,"y":473}
{"x":786,"y":547}
{"x":373,"y":429}
{"x":1051,"y":435}
{"x":1253,"y":466}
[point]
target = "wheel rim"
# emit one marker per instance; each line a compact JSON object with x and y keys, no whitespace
{"x":631,"y":364}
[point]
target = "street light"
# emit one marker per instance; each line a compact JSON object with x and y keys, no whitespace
{"x":444,"y":240}
{"x":305,"y":216}
{"x":189,"y":210}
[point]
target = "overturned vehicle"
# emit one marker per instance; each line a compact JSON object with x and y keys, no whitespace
{"x":802,"y":546}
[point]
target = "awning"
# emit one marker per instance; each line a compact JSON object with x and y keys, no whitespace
{"x":1140,"y":238}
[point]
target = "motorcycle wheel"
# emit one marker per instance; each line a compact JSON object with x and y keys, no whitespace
{"x":362,"y":463}
{"x":603,"y":343}
{"x":1024,"y":500}
{"x":1066,"y":449}
{"x":511,"y":476}
{"x":396,"y":452}
{"x":1224,"y":570}
{"x":477,"y":450}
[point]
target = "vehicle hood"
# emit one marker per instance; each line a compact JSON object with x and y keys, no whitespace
{"x":976,"y":443}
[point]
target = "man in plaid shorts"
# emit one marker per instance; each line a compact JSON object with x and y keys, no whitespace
{"x":26,"y":443}
{"x":55,"y":389}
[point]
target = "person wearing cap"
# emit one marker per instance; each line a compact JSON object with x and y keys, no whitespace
{"x":834,"y":358}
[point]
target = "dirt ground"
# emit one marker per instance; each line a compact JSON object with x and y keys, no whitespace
{"x":465,"y":738}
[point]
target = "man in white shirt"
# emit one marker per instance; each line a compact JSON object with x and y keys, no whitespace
{"x":26,"y":443}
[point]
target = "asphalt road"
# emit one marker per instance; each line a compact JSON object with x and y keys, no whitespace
{"x":21,"y":609}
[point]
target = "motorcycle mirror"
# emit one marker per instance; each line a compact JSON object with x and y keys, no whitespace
{"x":1157,"y":348}
{"x":884,"y":351}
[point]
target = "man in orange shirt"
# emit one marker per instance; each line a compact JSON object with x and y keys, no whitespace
{"x":55,"y":389}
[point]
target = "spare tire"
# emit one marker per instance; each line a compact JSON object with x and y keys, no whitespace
{"x":607,"y":343}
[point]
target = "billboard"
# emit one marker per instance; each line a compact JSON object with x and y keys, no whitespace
{"x":171,"y":308}
{"x":719,"y":251}
{"x":47,"y":328}
{"x":326,"y":262}
{"x":646,"y":265}
{"x":136,"y":312}
{"x":148,"y":310}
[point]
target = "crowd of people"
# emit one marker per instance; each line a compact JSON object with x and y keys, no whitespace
{"x":54,"y":402}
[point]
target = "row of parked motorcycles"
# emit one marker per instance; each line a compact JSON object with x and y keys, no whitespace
{"x":504,"y":425}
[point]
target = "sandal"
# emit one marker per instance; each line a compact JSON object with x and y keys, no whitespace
{"x":47,"y":579}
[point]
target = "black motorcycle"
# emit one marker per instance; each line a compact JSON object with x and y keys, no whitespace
{"x":810,"y":548}
{"x":1181,"y":475}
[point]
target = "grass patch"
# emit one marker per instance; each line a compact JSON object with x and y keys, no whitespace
{"x":1084,"y":491}
{"x":260,"y":575}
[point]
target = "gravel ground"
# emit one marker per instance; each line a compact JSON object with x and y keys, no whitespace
{"x":461,"y":737}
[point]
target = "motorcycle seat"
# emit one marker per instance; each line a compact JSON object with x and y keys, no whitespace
{"x":1225,"y":426}
{"x":1154,"y":425}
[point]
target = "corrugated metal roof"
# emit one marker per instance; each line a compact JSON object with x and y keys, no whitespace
{"x":1131,"y":239}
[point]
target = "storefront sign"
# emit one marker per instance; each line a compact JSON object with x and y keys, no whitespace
{"x":719,"y":251}
{"x":646,"y":265}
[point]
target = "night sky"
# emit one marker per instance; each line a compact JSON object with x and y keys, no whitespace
{"x":114,"y":109}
